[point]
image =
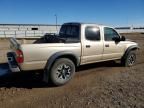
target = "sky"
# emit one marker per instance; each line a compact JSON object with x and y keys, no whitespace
{"x":107,"y":12}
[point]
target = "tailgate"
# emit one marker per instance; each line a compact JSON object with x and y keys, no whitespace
{"x":14,"y":44}
{"x":15,"y":47}
{"x":15,"y":57}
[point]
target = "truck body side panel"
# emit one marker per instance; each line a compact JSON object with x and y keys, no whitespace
{"x":36,"y":55}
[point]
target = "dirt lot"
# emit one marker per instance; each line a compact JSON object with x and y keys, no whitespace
{"x":100,"y":85}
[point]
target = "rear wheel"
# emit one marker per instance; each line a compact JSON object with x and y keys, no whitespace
{"x":130,"y":59}
{"x":62,"y":71}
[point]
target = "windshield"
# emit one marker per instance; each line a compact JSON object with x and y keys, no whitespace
{"x":69,"y":31}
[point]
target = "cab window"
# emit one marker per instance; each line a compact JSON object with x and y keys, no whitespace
{"x":92,"y":33}
{"x":109,"y":34}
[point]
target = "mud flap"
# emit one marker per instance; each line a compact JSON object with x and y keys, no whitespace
{"x":45,"y":76}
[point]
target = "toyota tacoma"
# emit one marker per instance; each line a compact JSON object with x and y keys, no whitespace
{"x":76,"y":44}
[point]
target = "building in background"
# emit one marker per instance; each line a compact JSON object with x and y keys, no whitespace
{"x":131,"y":29}
{"x":27,"y":30}
{"x":38,"y":30}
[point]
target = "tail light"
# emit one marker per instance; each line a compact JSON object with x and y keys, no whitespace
{"x":19,"y":56}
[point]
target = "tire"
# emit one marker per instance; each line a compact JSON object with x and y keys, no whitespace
{"x":62,"y":71}
{"x":130,"y":59}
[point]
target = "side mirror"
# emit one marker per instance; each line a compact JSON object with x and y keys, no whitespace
{"x":116,"y":39}
{"x":123,"y":38}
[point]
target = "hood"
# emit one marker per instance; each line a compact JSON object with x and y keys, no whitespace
{"x":130,"y":40}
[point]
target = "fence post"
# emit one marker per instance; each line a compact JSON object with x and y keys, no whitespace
{"x":15,"y":34}
{"x":34,"y":33}
{"x":25,"y":33}
{"x":4,"y":34}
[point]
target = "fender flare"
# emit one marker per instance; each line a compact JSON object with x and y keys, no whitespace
{"x":66,"y":54}
{"x":134,"y":47}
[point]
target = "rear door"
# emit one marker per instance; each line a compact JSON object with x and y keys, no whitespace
{"x":92,"y":45}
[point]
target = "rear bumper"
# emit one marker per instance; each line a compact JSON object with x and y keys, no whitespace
{"x":13,"y":66}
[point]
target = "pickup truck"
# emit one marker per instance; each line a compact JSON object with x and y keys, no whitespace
{"x":76,"y":44}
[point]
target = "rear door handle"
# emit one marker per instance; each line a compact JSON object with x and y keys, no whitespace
{"x":106,"y":45}
{"x":87,"y":46}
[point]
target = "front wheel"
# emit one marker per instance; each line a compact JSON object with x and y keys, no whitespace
{"x":62,"y":71}
{"x":130,"y":59}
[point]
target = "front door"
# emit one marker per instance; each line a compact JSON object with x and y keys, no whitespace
{"x":112,"y":49}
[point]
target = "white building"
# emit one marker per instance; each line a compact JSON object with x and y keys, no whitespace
{"x":35,"y":30}
{"x":26,"y":30}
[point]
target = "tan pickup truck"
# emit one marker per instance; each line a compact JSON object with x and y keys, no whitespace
{"x":76,"y":44}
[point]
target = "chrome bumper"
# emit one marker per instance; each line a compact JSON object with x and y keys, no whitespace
{"x":12,"y":62}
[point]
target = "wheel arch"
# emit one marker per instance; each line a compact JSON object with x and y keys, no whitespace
{"x":131,"y":48}
{"x":64,"y":54}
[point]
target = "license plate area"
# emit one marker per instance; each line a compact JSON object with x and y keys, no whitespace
{"x":11,"y":60}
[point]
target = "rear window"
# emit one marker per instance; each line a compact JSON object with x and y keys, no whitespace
{"x":92,"y":33}
{"x":70,"y":31}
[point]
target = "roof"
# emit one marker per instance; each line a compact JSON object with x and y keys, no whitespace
{"x":28,"y":25}
{"x":68,"y":23}
{"x":82,"y":23}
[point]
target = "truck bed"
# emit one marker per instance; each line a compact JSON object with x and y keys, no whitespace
{"x":36,"y":52}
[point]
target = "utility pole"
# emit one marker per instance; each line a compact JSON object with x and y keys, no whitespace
{"x":56,"y":23}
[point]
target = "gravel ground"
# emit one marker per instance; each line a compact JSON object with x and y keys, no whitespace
{"x":100,"y":85}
